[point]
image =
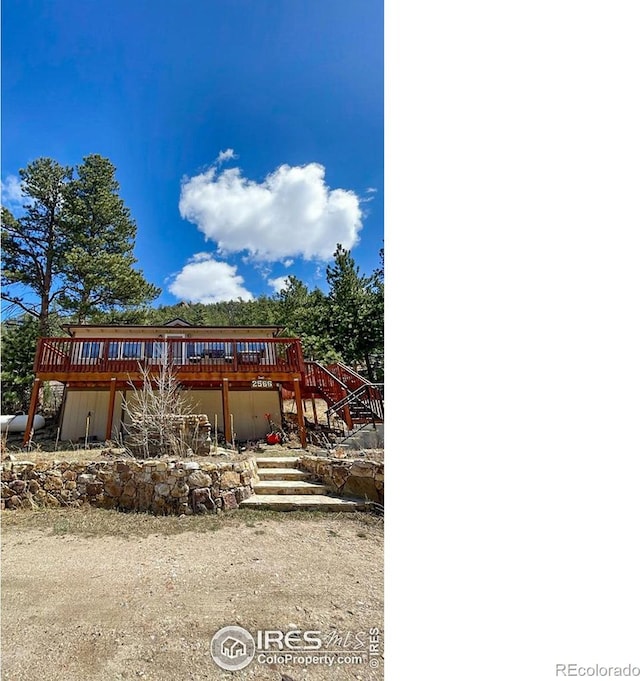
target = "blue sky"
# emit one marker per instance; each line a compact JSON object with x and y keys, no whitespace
{"x":248,"y":137}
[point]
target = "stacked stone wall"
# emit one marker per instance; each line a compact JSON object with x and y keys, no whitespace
{"x":185,"y":434}
{"x":156,"y":486}
{"x":348,"y":477}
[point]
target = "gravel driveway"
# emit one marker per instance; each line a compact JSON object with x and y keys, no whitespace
{"x":103,"y":595}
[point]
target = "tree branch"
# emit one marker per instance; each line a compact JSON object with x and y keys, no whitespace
{"x":19,"y":303}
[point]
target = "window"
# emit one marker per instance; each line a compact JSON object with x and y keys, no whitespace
{"x":91,"y":350}
{"x":131,"y":350}
{"x":126,"y":349}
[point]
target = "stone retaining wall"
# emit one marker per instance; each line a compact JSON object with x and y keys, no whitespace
{"x":156,"y":486}
{"x":348,"y":477}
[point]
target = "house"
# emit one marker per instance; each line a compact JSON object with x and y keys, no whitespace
{"x":235,"y":375}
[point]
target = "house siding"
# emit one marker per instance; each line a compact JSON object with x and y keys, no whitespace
{"x":247,"y":406}
{"x":78,"y":403}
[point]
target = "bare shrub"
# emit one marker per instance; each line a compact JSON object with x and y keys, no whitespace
{"x":154,"y":411}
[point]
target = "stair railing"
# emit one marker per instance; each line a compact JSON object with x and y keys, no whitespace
{"x":369,"y":397}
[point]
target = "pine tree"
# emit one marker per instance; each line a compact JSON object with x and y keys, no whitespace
{"x":72,"y":245}
{"x":19,"y":339}
{"x":100,"y":263}
{"x":355,"y":304}
{"x":34,"y":246}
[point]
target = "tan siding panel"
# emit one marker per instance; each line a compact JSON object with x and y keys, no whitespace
{"x":207,"y":402}
{"x":78,"y":404}
{"x":248,"y":408}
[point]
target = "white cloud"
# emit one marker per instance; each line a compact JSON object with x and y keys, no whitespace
{"x":200,"y":257}
{"x":225,"y":156}
{"x":279,"y":283}
{"x":292,"y":213}
{"x":11,"y":190}
{"x":205,"y":280}
{"x":370,"y":191}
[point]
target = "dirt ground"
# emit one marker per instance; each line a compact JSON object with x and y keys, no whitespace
{"x":95,"y":594}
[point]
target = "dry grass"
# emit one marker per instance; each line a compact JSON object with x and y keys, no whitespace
{"x":97,"y":522}
{"x":49,"y":453}
{"x":76,"y":455}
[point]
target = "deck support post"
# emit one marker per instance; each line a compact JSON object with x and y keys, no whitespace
{"x":226,"y":413}
{"x":300,"y":409}
{"x":315,"y":413}
{"x":112,"y":402}
{"x":347,"y":413}
{"x":33,"y":404}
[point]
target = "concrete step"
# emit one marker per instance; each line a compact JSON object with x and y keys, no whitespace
{"x":306,"y":502}
{"x":277,"y":462}
{"x":296,"y":487}
{"x":283,"y":474}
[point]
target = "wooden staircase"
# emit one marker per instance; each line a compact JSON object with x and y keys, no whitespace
{"x":350,"y":396}
{"x":284,"y":487}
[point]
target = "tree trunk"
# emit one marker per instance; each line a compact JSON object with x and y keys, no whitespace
{"x":43,"y":318}
{"x":367,"y":360}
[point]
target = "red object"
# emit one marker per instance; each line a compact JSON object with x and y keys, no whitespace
{"x":273,"y":438}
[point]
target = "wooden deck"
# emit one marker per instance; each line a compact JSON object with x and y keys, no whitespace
{"x":114,"y":363}
{"x":194,"y":360}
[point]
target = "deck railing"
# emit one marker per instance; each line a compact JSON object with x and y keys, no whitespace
{"x":187,"y":355}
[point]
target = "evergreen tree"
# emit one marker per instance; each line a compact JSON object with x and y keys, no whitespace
{"x":355,"y":314}
{"x":100,"y":263}
{"x":34,"y":246}
{"x":19,"y":339}
{"x":72,"y":245}
{"x":305,"y":315}
{"x":375,"y":287}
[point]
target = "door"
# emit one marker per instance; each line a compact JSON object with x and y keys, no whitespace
{"x":172,"y":350}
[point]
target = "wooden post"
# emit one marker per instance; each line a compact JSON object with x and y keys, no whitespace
{"x":63,"y":407}
{"x":35,"y":391}
{"x":226,"y":416}
{"x":300,"y":410}
{"x":315,"y":413}
{"x":346,"y":413}
{"x":86,"y":429}
{"x":112,"y":403}
{"x":122,"y":415}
